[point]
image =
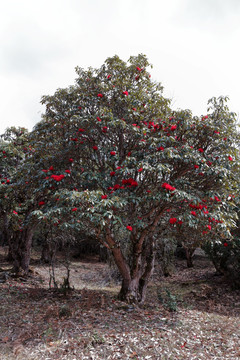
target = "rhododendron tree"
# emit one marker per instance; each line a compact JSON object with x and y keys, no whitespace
{"x":22,"y":196}
{"x":16,"y":202}
{"x":150,"y":168}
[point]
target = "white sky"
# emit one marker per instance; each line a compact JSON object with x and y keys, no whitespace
{"x":192,"y":44}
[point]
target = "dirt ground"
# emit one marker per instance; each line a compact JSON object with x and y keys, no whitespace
{"x":193,"y":314}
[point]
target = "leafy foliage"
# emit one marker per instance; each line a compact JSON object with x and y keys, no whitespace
{"x":111,"y":157}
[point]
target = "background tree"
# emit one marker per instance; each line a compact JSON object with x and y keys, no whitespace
{"x":18,"y":196}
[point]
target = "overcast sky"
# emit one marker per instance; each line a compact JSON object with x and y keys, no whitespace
{"x":192,"y":44}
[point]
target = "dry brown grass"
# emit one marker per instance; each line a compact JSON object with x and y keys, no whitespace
{"x":90,"y":323}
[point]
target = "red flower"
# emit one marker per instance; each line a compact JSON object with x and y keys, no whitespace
{"x":161,"y":148}
{"x":81,"y":130}
{"x":104,"y":129}
{"x":108,"y":77}
{"x":68,"y":171}
{"x":172,"y":220}
{"x":104,"y":196}
{"x":57,"y":177}
{"x":225,"y":244}
{"x":200,"y":150}
{"x":14,"y":212}
{"x":129,"y":182}
{"x":51,"y":168}
{"x":196,"y":166}
{"x":139,"y":69}
{"x":70,"y":160}
{"x":209,"y":227}
{"x":41,"y":203}
{"x":168,"y":187}
{"x":180,"y":222}
{"x":230,"y":158}
{"x":95,"y":147}
{"x":173,"y":127}
{"x":45,"y":170}
{"x":113,"y":153}
{"x":116,"y":187}
{"x":141,"y":169}
{"x":134,"y":109}
{"x":216,"y":198}
{"x":112,"y":173}
{"x":129,"y":228}
{"x":74,"y":209}
{"x":98,"y":119}
{"x":125,"y":93}
{"x":100,"y":95}
{"x":129,"y":153}
{"x":193,"y":213}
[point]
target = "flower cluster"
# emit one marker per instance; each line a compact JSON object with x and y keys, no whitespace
{"x":57,"y":177}
{"x":50,"y":169}
{"x":168,"y":187}
{"x":129,"y":182}
{"x":129,"y":228}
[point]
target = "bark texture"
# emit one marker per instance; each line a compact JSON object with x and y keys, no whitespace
{"x":136,"y":271}
{"x":20,"y":246}
{"x":189,"y":255}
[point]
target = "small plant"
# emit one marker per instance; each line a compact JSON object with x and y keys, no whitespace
{"x":168,"y":300}
{"x":65,"y":311}
{"x":97,"y":339}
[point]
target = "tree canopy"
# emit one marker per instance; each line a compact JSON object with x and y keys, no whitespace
{"x":111,"y":156}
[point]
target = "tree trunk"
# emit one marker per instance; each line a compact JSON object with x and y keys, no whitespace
{"x":189,"y":254}
{"x":20,"y":246}
{"x":46,"y":251}
{"x":6,"y":235}
{"x":134,"y":289}
{"x":135,"y":276}
{"x":45,"y":256}
{"x":5,"y":231}
{"x":9,"y":256}
{"x":130,"y":291}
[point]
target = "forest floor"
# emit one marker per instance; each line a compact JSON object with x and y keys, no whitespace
{"x":191,"y":315}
